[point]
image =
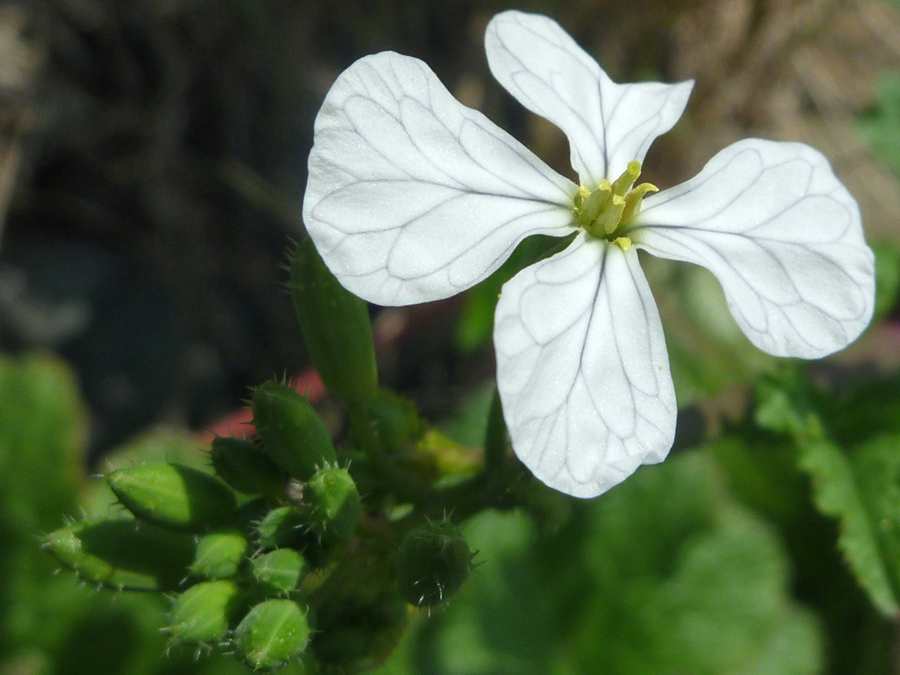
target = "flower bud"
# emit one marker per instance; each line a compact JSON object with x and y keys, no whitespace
{"x":122,"y":554}
{"x":220,"y":554}
{"x":245,"y":467}
{"x":335,"y":326}
{"x":332,"y":505}
{"x":272,"y":633}
{"x":292,"y":432}
{"x":279,"y":572}
{"x":433,"y":562}
{"x":281,"y":528}
{"x":204,"y":613}
{"x":173,"y":496}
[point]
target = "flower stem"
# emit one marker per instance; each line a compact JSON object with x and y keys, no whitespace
{"x":405,"y":486}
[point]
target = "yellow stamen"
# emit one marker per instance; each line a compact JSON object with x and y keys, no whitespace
{"x":608,"y":220}
{"x":593,"y":205}
{"x":634,"y":199}
{"x":623,"y":183}
{"x":623,"y":243}
{"x":604,"y":210}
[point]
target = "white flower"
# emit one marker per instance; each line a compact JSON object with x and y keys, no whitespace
{"x":414,"y":197}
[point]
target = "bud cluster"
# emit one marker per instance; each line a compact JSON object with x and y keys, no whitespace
{"x":231,"y":548}
{"x":269,"y":552}
{"x":263,"y":554}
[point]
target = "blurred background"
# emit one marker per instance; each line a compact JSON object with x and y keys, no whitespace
{"x":153,"y":155}
{"x":153,"y":161}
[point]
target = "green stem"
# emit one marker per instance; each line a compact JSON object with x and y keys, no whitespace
{"x":405,"y":486}
{"x":495,"y":440}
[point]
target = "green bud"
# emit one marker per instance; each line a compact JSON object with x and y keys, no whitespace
{"x":245,"y":467}
{"x":272,"y":633}
{"x":204,"y":613}
{"x":220,"y":554}
{"x":279,"y":572}
{"x":281,"y":528}
{"x":335,"y":326}
{"x":122,"y":554}
{"x":173,"y":496}
{"x":292,"y":432}
{"x":433,"y":562}
{"x":331,"y":505}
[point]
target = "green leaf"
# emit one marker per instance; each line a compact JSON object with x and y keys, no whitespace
{"x":663,"y":575}
{"x":786,"y":404}
{"x":861,"y":487}
{"x":688,"y":582}
{"x":762,"y":473}
{"x":43,"y":432}
{"x":867,"y":407}
{"x":858,"y":491}
{"x":42,"y":440}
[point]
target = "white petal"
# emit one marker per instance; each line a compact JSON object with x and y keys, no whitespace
{"x":582,"y":368}
{"x":414,"y":197}
{"x":783,"y":236}
{"x":607,"y":124}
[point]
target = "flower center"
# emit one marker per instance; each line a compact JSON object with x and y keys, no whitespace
{"x":606,"y":211}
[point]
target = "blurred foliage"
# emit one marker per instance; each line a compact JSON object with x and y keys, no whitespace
{"x":717,"y":561}
{"x":49,"y":624}
{"x":880,"y":126}
{"x":700,"y":586}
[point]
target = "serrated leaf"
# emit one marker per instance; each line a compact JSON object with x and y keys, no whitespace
{"x":784,"y":404}
{"x":858,"y":491}
{"x":697,"y":586}
{"x":665,"y":574}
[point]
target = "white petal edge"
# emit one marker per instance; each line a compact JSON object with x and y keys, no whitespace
{"x":582,"y":368}
{"x":414,"y":197}
{"x":607,"y":124}
{"x":783,"y":236}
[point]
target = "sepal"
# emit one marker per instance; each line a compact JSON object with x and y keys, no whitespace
{"x":174,"y":496}
{"x":331,"y":505}
{"x":220,"y":554}
{"x":279,"y":572}
{"x":293,"y":434}
{"x":122,"y":554}
{"x":204,"y":613}
{"x":272,"y":633}
{"x":245,"y":467}
{"x":433,"y":562}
